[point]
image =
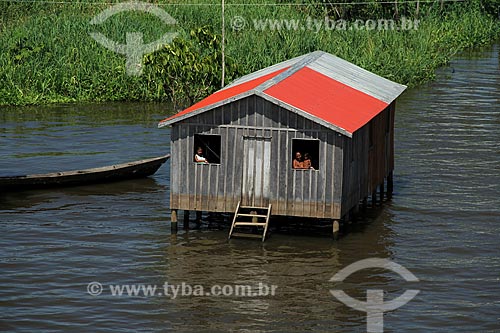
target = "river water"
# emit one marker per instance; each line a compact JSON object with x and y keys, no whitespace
{"x":443,"y":225}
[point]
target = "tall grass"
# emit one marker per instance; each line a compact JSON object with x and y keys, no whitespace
{"x":48,"y":56}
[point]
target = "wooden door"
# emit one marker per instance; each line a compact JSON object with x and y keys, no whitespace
{"x":256,"y":171}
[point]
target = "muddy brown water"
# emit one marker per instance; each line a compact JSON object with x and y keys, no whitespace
{"x":443,"y":224}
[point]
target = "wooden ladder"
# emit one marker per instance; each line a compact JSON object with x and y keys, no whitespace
{"x":248,"y":217}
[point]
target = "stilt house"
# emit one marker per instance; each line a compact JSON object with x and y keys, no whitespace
{"x":341,"y":115}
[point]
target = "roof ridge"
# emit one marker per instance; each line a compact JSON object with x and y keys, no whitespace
{"x":266,"y":70}
{"x":310,"y":58}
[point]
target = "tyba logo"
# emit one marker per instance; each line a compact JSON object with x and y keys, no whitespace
{"x":374,"y":305}
{"x":134,"y":48}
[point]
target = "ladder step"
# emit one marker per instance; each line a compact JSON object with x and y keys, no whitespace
{"x":241,"y":234}
{"x":250,"y":222}
{"x":253,"y":207}
{"x":252,"y":215}
{"x":253,"y":224}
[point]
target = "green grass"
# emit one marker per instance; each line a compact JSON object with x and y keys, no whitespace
{"x":48,"y":56}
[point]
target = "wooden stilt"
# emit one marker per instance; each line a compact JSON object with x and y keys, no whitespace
{"x":348,"y":217}
{"x":173,"y":221}
{"x":381,"y":187}
{"x":355,"y":213}
{"x":198,"y":217}
{"x":336,"y":228}
{"x":390,"y":186}
{"x":186,"y":219}
{"x":255,"y":219}
{"x":365,"y":203}
{"x":374,"y":197}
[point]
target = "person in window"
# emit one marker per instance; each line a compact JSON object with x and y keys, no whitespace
{"x":307,"y":162}
{"x":198,"y":157}
{"x":298,"y":163}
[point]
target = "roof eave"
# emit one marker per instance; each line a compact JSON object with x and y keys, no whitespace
{"x":193,"y":113}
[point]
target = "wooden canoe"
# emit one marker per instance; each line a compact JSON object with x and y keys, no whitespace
{"x":130,"y":170}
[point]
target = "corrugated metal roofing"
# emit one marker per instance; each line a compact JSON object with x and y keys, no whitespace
{"x":219,"y":97}
{"x":267,"y":70}
{"x":327,"y":99}
{"x":320,"y":86}
{"x":357,"y":77}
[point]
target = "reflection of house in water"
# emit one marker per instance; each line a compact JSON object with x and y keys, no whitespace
{"x":301,"y":267}
{"x":338,"y":113}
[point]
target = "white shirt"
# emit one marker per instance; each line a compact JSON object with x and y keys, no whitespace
{"x":199,"y":158}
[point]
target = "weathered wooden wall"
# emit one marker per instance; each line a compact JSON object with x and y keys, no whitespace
{"x":210,"y":187}
{"x":328,"y":192}
{"x":365,"y":166}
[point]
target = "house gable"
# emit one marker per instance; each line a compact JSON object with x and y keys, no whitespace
{"x":254,"y":114}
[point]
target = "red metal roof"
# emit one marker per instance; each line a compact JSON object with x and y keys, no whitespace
{"x":320,"y":86}
{"x":225,"y":94}
{"x":327,"y":99}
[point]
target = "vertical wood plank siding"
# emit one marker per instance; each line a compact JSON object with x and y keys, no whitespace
{"x":348,"y":168}
{"x":366,"y":167}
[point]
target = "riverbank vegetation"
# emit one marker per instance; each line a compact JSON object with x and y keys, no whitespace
{"x":48,"y":56}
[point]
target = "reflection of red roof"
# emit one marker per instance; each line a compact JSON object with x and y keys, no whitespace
{"x":319,"y":86}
